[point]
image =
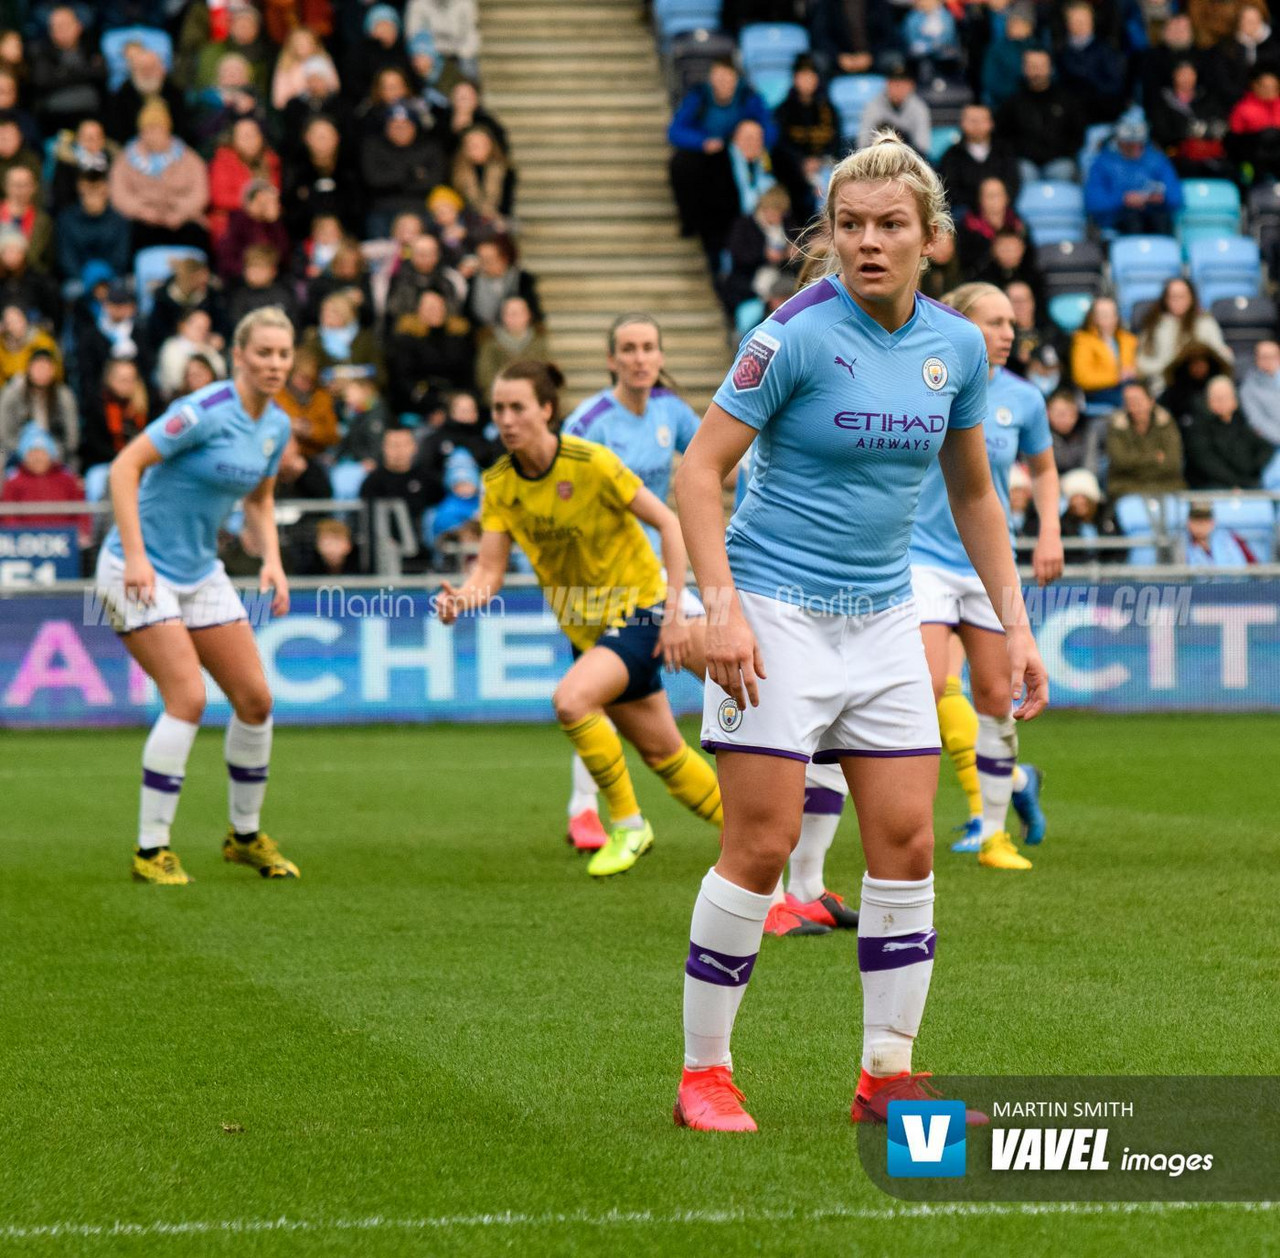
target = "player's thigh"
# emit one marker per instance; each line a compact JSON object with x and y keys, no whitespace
{"x":763,"y":799}
{"x":937,"y":639}
{"x":955,"y":656}
{"x":989,"y":670}
{"x":893,"y":797}
{"x":167,"y":655}
{"x":695,"y":661}
{"x":649,"y":725}
{"x":230,"y":654}
{"x":597,"y":677}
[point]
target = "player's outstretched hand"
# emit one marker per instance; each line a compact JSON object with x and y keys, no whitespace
{"x":673,"y":643}
{"x":272,"y":577}
{"x":448,"y":604}
{"x":1030,"y":680}
{"x":140,"y":580}
{"x":733,"y":658}
{"x":1047,"y":560}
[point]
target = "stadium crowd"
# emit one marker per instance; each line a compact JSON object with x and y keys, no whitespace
{"x":1114,"y":115}
{"x":167,"y":166}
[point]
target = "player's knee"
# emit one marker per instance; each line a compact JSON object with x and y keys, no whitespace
{"x":655,"y":753}
{"x":915,"y":853}
{"x":185,"y":700}
{"x":992,"y":699}
{"x":254,"y":707}
{"x":570,"y":704}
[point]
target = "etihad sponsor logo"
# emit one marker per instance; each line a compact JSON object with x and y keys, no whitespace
{"x":889,"y":422}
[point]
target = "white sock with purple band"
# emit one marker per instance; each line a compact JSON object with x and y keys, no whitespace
{"x":895,"y":959}
{"x":248,"y":753}
{"x":724,"y":938}
{"x":583,"y":798}
{"x":997,"y":749}
{"x":807,"y":867}
{"x":164,"y":765}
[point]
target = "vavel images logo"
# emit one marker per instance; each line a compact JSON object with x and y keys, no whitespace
{"x":926,"y":1138}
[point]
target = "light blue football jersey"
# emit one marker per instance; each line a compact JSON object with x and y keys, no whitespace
{"x":212,"y":454}
{"x":850,"y":418}
{"x":645,"y":443}
{"x":1016,"y":426}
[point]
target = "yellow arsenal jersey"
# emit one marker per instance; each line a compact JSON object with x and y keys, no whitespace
{"x":590,"y":553}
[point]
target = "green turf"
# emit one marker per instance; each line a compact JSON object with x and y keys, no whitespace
{"x":447,"y":1020}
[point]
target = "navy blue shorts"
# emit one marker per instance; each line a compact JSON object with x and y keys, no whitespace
{"x":634,"y":643}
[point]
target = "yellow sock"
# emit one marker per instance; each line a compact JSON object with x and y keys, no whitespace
{"x":959,"y":725}
{"x":597,"y":742}
{"x":692,"y":781}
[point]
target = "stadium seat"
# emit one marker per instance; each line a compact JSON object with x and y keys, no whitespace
{"x":678,"y":17}
{"x":1133,"y":515}
{"x":345,"y":479}
{"x":1230,"y":266}
{"x":1095,"y":138}
{"x":747,"y":315}
{"x":1141,"y":309}
{"x":153,"y":267}
{"x":1208,"y":203}
{"x":115,"y":42}
{"x":771,"y":46}
{"x":946,"y":101}
{"x":1052,"y":211}
{"x":1253,"y":519}
{"x":941,"y":140}
{"x":690,"y":55}
{"x":1068,"y":310}
{"x":850,"y":94}
{"x":1271,"y":474}
{"x":773,"y":86}
{"x":1140,"y":268}
{"x":1070,"y":266}
{"x":1244,"y":322}
{"x":95,"y":482}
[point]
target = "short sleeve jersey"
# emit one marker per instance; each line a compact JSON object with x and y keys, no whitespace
{"x":850,"y":418}
{"x":645,"y":443}
{"x":589,"y":552}
{"x":1016,"y":426}
{"x":212,"y":453}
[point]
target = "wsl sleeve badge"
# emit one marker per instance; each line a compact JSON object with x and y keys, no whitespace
{"x":184,"y":419}
{"x":754,"y":361}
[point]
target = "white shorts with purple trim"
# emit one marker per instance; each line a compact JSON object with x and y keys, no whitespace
{"x":207,"y":603}
{"x":950,"y":598}
{"x":835,"y":686}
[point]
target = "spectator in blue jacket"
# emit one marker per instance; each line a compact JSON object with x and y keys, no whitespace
{"x":1132,"y":186}
{"x":1207,"y":546}
{"x":703,"y":126}
{"x":92,"y":230}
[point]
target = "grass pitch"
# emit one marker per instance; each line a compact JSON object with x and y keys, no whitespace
{"x":447,"y":1039}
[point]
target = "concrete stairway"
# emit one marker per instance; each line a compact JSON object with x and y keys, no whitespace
{"x":579,"y":85}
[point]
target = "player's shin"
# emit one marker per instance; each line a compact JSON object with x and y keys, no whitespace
{"x":248,"y":755}
{"x":958,"y":723}
{"x":164,"y":764}
{"x":583,"y":796}
{"x":692,"y":781}
{"x":895,"y":960}
{"x":807,"y":867}
{"x":997,"y":756}
{"x":597,"y":742}
{"x":724,"y":938}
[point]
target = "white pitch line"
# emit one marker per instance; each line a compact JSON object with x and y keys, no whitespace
{"x":614,"y":1218}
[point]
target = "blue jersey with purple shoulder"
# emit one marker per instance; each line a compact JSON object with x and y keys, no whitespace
{"x":1016,"y":427}
{"x":645,"y":443}
{"x":212,"y":453}
{"x":850,"y":418}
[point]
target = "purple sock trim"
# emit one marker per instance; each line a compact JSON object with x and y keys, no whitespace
{"x":877,"y":952}
{"x":823,"y":801}
{"x":831,"y":755}
{"x":169,"y":783}
{"x":996,"y":768}
{"x":710,"y":745}
{"x":239,"y":773}
{"x":719,"y":968}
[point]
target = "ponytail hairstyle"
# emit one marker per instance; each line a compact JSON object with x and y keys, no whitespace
{"x":625,"y":321}
{"x":963,"y":299}
{"x":546,"y":379}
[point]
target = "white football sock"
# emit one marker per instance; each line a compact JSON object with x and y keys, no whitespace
{"x":1019,"y":778}
{"x":997,"y":750}
{"x":164,"y":764}
{"x":895,"y":959}
{"x":583,"y":798}
{"x":724,"y":938}
{"x":248,"y":753}
{"x":807,"y":867}
{"x":779,"y":895}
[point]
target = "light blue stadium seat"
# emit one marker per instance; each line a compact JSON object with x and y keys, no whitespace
{"x":115,"y":42}
{"x":941,"y":140}
{"x":1253,"y":519}
{"x":679,"y":17}
{"x":95,"y":482}
{"x":767,"y":46}
{"x":1140,"y":268}
{"x":773,"y":86}
{"x":1068,"y":310}
{"x":1134,"y":518}
{"x":1174,"y":512}
{"x":1271,"y":473}
{"x":1052,"y":210}
{"x":346,"y":477}
{"x":747,"y":315}
{"x":153,"y":267}
{"x":1095,"y":137}
{"x":1230,"y":266}
{"x":1209,"y":203}
{"x":850,"y":94}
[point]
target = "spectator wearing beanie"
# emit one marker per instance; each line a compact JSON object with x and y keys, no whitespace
{"x":42,"y":478}
{"x":454,"y":26}
{"x":1087,"y":516}
{"x":1144,"y":447}
{"x":37,"y":397}
{"x":1132,"y":187}
{"x":161,"y":184}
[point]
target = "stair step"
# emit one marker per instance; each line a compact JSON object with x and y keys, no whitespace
{"x":674,"y":323}
{"x":535,"y":173}
{"x":611,"y":255}
{"x":620,"y":269}
{"x":628,"y":190}
{"x":598,"y":211}
{"x":607,"y":303}
{"x":540,"y":16}
{"x":594,"y":281}
{"x":617,"y":43}
{"x":708,"y":341}
{"x":553,"y":229}
{"x":574,"y":127}
{"x":554,"y":98}
{"x":546,"y":151}
{"x":588,"y":60}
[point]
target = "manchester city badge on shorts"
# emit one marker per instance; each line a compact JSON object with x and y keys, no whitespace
{"x":729,"y":715}
{"x":934,"y":372}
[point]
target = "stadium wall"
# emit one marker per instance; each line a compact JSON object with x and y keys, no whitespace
{"x":364,"y":655}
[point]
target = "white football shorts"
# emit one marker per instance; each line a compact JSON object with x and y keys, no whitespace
{"x":952,"y":598}
{"x":207,"y":603}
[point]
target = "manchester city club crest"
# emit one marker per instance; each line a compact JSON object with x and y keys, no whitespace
{"x":1004,"y":416}
{"x":268,"y":447}
{"x":934,"y":372}
{"x":729,"y":715}
{"x":663,"y":436}
{"x":565,"y":489}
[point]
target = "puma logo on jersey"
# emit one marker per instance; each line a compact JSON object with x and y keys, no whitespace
{"x":840,"y":362}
